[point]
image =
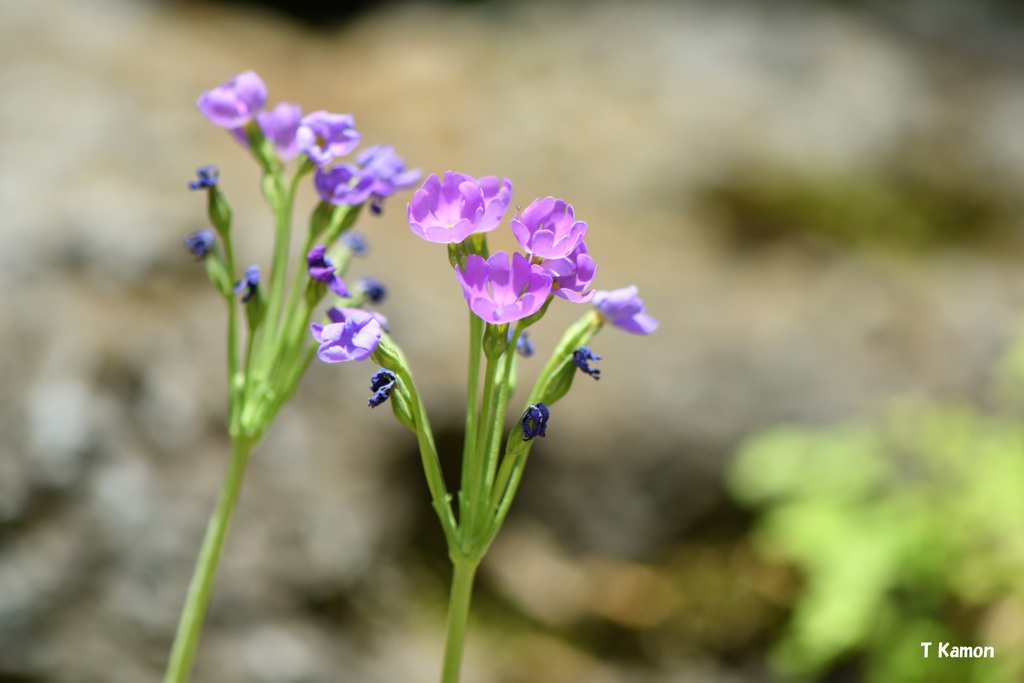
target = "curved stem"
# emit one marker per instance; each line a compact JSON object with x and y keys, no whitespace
{"x":197,"y":602}
{"x":458,"y":617}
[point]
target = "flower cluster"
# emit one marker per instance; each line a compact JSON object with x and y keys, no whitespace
{"x":323,"y":138}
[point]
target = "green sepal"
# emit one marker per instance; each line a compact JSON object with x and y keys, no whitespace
{"x":495,"y":340}
{"x":219,"y":211}
{"x":477,"y":244}
{"x":401,"y":405}
{"x":255,"y":310}
{"x":272,"y":190}
{"x":263,"y":150}
{"x":217,"y":272}
{"x":389,"y":355}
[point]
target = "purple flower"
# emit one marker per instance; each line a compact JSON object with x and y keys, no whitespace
{"x":250,"y":283}
{"x":624,"y":309}
{"x":381,"y":384}
{"x":353,"y":335}
{"x":279,"y":125}
{"x":450,"y":210}
{"x":235,"y":102}
{"x":572,"y":275}
{"x":206,"y":177}
{"x":322,"y":269}
{"x":373,"y":288}
{"x":343,"y":184}
{"x":581,"y":358}
{"x":200,"y":242}
{"x":388,"y":169}
{"x":324,"y":136}
{"x":338,"y":315}
{"x":548,"y":228}
{"x":501,"y":289}
{"x":535,"y":421}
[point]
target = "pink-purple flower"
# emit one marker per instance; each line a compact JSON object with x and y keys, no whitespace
{"x":279,"y":125}
{"x":324,"y":136}
{"x":624,"y":309}
{"x":234,"y":103}
{"x":503,"y":289}
{"x":354,"y":335}
{"x":322,"y":269}
{"x":344,"y":184}
{"x":548,"y":228}
{"x":388,"y":169}
{"x":450,"y":210}
{"x":572,"y":275}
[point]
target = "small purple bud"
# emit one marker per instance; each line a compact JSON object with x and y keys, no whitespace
{"x":357,"y":243}
{"x":535,"y":421}
{"x":250,"y":283}
{"x":381,"y":384}
{"x":206,"y":177}
{"x":581,"y":358}
{"x":322,"y":270}
{"x":200,"y":243}
{"x":373,"y":288}
{"x":524,"y":346}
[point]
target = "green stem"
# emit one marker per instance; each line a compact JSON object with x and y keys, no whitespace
{"x":282,"y":245}
{"x":198,"y":600}
{"x":476,"y":329}
{"x":458,"y":616}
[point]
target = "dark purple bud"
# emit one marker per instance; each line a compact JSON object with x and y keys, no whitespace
{"x":524,"y":346}
{"x":535,"y":421}
{"x":581,"y":358}
{"x":200,"y":243}
{"x":357,"y":244}
{"x":206,"y":177}
{"x":249,"y":284}
{"x":373,"y":289}
{"x":381,"y":384}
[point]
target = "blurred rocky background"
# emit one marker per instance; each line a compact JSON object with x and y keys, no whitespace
{"x":820,"y":201}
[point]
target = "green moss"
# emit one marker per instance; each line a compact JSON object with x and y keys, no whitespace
{"x":890,"y":209}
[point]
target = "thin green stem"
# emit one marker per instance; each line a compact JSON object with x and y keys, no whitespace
{"x":473,"y":491}
{"x":476,"y":330}
{"x":458,"y":617}
{"x":282,"y":246}
{"x":431,"y":464}
{"x":198,"y":599}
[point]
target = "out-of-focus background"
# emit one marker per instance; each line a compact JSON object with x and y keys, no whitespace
{"x":811,"y":467}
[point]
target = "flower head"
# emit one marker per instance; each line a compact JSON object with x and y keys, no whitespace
{"x":324,"y":136}
{"x":450,"y":210}
{"x":535,"y":421}
{"x":373,"y":288}
{"x":581,"y":358}
{"x":279,"y":125}
{"x":206,"y":177}
{"x":548,"y":228}
{"x":503,"y":289}
{"x":343,"y":184}
{"x":354,"y":335}
{"x":624,"y":309}
{"x":389,"y":171}
{"x":322,"y":269}
{"x":572,"y":275}
{"x":234,"y":103}
{"x":200,"y":242}
{"x":249,"y":284}
{"x":381,"y":384}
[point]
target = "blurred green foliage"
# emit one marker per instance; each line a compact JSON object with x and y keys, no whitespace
{"x":905,"y":528}
{"x":894,"y":209}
